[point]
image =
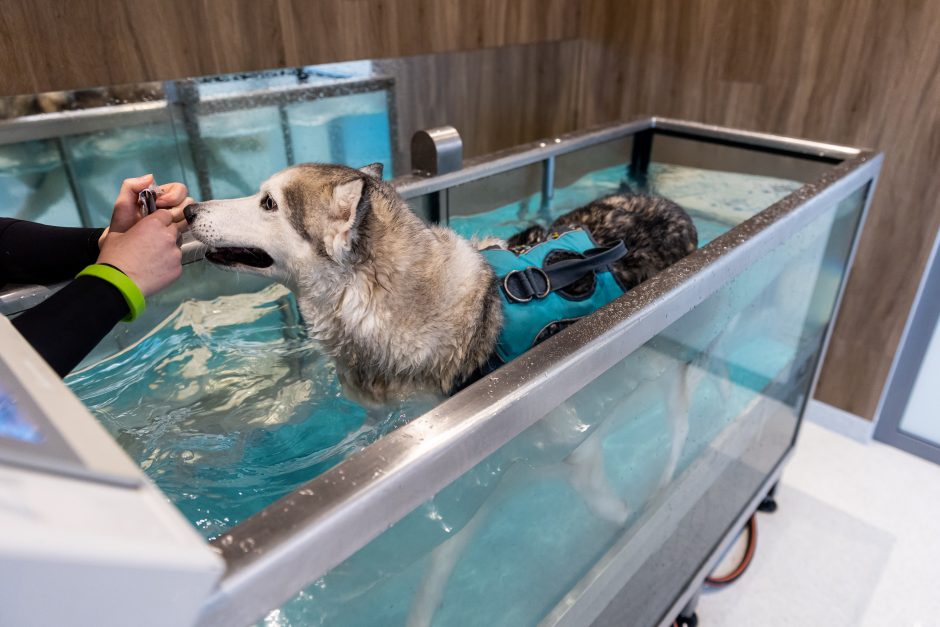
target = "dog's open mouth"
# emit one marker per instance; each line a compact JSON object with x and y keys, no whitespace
{"x":234,"y":255}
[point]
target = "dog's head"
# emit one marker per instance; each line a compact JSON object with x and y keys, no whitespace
{"x":305,"y":220}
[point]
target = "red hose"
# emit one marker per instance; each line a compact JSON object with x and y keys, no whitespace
{"x":724,"y":580}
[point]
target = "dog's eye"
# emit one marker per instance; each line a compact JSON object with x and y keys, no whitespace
{"x":268,"y":204}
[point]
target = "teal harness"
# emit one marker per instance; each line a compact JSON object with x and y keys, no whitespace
{"x":532,"y":288}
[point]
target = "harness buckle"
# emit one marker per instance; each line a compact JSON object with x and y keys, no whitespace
{"x":526,"y":281}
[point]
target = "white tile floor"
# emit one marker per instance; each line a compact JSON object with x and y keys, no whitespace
{"x":855,"y":541}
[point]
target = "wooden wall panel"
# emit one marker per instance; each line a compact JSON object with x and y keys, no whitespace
{"x":865,"y":72}
{"x":496,"y":98}
{"x":359,"y":29}
{"x":50,"y":45}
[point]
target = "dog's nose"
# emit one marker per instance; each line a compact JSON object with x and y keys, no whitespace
{"x":189,"y":212}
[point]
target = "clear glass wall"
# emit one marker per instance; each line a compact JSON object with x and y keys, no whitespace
{"x":661,"y":451}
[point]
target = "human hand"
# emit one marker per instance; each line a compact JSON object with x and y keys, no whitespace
{"x":127,"y":211}
{"x":147,"y":252}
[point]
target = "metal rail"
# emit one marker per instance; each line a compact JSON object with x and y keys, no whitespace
{"x":281,"y":549}
{"x":539,"y":151}
{"x":65,"y":123}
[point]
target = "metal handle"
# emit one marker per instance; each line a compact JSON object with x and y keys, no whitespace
{"x":436,"y":151}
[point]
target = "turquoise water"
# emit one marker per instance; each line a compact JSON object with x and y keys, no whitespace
{"x":227,"y":406}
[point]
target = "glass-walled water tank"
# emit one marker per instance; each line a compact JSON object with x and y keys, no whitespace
{"x":661,"y":416}
{"x":35,"y":183}
{"x":594,"y":478}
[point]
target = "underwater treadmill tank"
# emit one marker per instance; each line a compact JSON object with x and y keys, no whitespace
{"x":592,"y":480}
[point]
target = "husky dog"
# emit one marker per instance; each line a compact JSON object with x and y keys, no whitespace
{"x":403,"y":307}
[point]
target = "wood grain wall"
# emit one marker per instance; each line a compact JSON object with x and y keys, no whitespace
{"x":496,"y":97}
{"x":50,"y":45}
{"x":859,"y":72}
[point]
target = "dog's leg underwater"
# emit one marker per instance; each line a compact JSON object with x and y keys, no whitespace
{"x":678,"y":408}
{"x":588,"y":477}
{"x":441,"y":566}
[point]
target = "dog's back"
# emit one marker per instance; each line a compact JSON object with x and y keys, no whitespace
{"x":656,"y":231}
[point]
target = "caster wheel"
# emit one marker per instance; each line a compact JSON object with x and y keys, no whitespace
{"x":687,"y":621}
{"x":768,"y":505}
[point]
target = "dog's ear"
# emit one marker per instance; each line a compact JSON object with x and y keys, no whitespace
{"x":373,"y":169}
{"x":344,"y":217}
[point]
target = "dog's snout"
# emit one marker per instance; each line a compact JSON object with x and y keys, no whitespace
{"x":189,"y":212}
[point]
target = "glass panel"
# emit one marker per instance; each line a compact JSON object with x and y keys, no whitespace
{"x":699,"y":153}
{"x":574,"y":166}
{"x":426,"y":207}
{"x":34,"y":184}
{"x":717,"y":200}
{"x":102,"y":160}
{"x":242,"y":149}
{"x":496,"y":205}
{"x":352,"y":130}
{"x":649,"y":463}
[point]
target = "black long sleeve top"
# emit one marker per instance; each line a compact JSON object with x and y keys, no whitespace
{"x":65,"y":327}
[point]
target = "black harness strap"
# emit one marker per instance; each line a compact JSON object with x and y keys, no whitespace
{"x":524,"y":285}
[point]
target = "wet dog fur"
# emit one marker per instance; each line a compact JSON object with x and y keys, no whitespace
{"x":403,"y":307}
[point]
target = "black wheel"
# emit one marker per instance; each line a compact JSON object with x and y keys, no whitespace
{"x":768,"y":505}
{"x":687,"y":621}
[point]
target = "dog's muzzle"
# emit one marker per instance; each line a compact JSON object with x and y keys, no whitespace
{"x":189,"y":212}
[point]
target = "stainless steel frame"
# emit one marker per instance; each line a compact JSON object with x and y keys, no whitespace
{"x":65,"y":123}
{"x":295,"y":540}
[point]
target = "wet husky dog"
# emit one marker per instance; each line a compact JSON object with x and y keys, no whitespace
{"x":403,"y":307}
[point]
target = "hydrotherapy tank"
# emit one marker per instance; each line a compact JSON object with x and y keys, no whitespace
{"x":594,"y":480}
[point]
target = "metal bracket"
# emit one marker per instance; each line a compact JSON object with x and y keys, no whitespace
{"x":185,"y":94}
{"x":642,"y":153}
{"x":436,"y":151}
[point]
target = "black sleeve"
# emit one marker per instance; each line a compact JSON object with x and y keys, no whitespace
{"x":65,"y":327}
{"x":36,"y":253}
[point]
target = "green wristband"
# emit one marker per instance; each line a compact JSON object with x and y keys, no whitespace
{"x":131,"y":293}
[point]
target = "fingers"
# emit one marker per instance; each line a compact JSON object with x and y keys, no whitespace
{"x":172,"y":195}
{"x":126,"y":212}
{"x":127,"y":197}
{"x":178,"y":218}
{"x":126,"y":208}
{"x":133,"y":186}
{"x":163,"y":216}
